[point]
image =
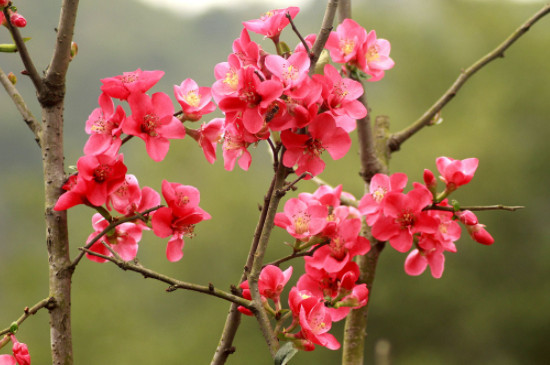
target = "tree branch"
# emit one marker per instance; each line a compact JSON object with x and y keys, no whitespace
{"x":512,"y":208}
{"x":20,"y":104}
{"x":322,"y":37}
{"x":174,"y":283}
{"x":398,"y":138}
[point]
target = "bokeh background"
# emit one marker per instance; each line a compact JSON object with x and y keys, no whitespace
{"x":490,"y":307}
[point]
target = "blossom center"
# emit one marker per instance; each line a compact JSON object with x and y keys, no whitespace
{"x":231,"y":79}
{"x":290,"y":73}
{"x":192,"y":98}
{"x":301,"y":223}
{"x":347,"y":46}
{"x":149,"y":125}
{"x":372,"y":54}
{"x":406,"y":219}
{"x":101,"y":173}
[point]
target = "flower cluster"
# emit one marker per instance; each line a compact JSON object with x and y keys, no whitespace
{"x":422,"y":218}
{"x":269,"y":95}
{"x":102,"y":179}
{"x":20,"y":354}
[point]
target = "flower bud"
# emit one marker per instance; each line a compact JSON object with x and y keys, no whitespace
{"x":480,"y":234}
{"x":74,"y":50}
{"x":4,"y":3}
{"x":467,"y":218}
{"x":430,"y":181}
{"x":18,"y":20}
{"x":12,"y":78}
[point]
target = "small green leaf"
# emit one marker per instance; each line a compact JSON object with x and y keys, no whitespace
{"x":14,"y":327}
{"x":456,"y":205}
{"x":282,"y":48}
{"x":7,"y":47}
{"x":285,"y":353}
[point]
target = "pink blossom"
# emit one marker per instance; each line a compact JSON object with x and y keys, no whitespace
{"x":380,"y":185}
{"x":455,"y":173}
{"x":123,"y":239}
{"x":246,"y":50}
{"x":195,"y":101}
{"x":292,"y":71}
{"x":374,"y":57}
{"x":480,"y":234}
{"x":20,"y":352}
{"x":18,"y":21}
{"x":272,"y":22}
{"x":129,"y":199}
{"x":136,"y":82}
{"x":75,"y":194}
{"x":105,"y":127}
{"x":235,"y":148}
{"x":346,"y":41}
{"x":153,"y":121}
{"x":340,"y":94}
{"x":208,"y":136}
{"x":7,"y":359}
{"x":305,"y":150}
{"x":403,"y":216}
{"x":302,"y":220}
{"x":316,"y":322}
{"x":103,"y":174}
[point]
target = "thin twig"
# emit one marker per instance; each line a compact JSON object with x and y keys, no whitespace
{"x":398,"y":138}
{"x":298,"y":33}
{"x":20,"y":104}
{"x":290,"y":186}
{"x":477,"y":208}
{"x":27,"y":312}
{"x":23,"y":53}
{"x":174,"y":283}
{"x":297,"y":254}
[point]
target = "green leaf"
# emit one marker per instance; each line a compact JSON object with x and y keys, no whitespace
{"x":14,"y":327}
{"x":285,"y":353}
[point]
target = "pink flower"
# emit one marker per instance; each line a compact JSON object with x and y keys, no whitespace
{"x":341,"y":94}
{"x":129,"y":199}
{"x":102,"y":174}
{"x":455,"y":173}
{"x":136,"y":82}
{"x":346,"y":41}
{"x":235,"y":148}
{"x":195,"y":101}
{"x":20,"y":352}
{"x":18,"y":21}
{"x":7,"y":359}
{"x":123,"y":240}
{"x":271,"y":283}
{"x":316,"y":322}
{"x":75,"y":194}
{"x":153,"y":121}
{"x":302,"y":220}
{"x":292,"y":71}
{"x":305,"y":150}
{"x":403,"y":216}
{"x":374,"y":57}
{"x":380,"y":185}
{"x":271,"y":23}
{"x":208,"y":136}
{"x":105,"y":127}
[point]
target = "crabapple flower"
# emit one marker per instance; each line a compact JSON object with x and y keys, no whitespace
{"x":208,"y":136}
{"x":292,"y":71}
{"x":455,"y":173}
{"x":123,"y":240}
{"x":341,"y":94}
{"x":102,"y":174}
{"x":374,"y":57}
{"x":18,"y":21}
{"x":235,"y":148}
{"x":316,"y":322}
{"x":195,"y":101}
{"x":302,"y":220}
{"x":271,"y":283}
{"x":75,"y":194}
{"x":305,"y":150}
{"x":129,"y":199}
{"x":136,"y":82}
{"x":20,"y":352}
{"x":403,"y":216}
{"x":272,"y":22}
{"x":346,"y":41}
{"x":480,"y":234}
{"x":153,"y":121}
{"x":7,"y":359}
{"x":380,"y":185}
{"x":179,"y":218}
{"x":104,"y":125}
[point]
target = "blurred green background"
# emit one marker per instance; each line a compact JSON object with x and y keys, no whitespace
{"x":490,"y":307}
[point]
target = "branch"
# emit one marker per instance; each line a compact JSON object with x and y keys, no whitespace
{"x":297,"y":254}
{"x":398,"y":138}
{"x":109,"y":227}
{"x":322,"y":37}
{"x":23,"y":53}
{"x":477,"y":208}
{"x":298,"y":33}
{"x":44,"y":303}
{"x":57,"y":70}
{"x":20,"y":104}
{"x":174,"y":283}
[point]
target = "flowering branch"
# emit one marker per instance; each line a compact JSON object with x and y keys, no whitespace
{"x":44,"y":303}
{"x":512,"y":208}
{"x":298,"y":33}
{"x":174,"y":283}
{"x":426,"y":119}
{"x":20,"y":104}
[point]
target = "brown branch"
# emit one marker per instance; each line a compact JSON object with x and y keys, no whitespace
{"x":27,"y":312}
{"x":297,"y":254}
{"x":398,"y":138}
{"x":20,"y":104}
{"x":512,"y":208}
{"x":23,"y":53}
{"x":174,"y":283}
{"x":298,"y":33}
{"x":322,"y":37}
